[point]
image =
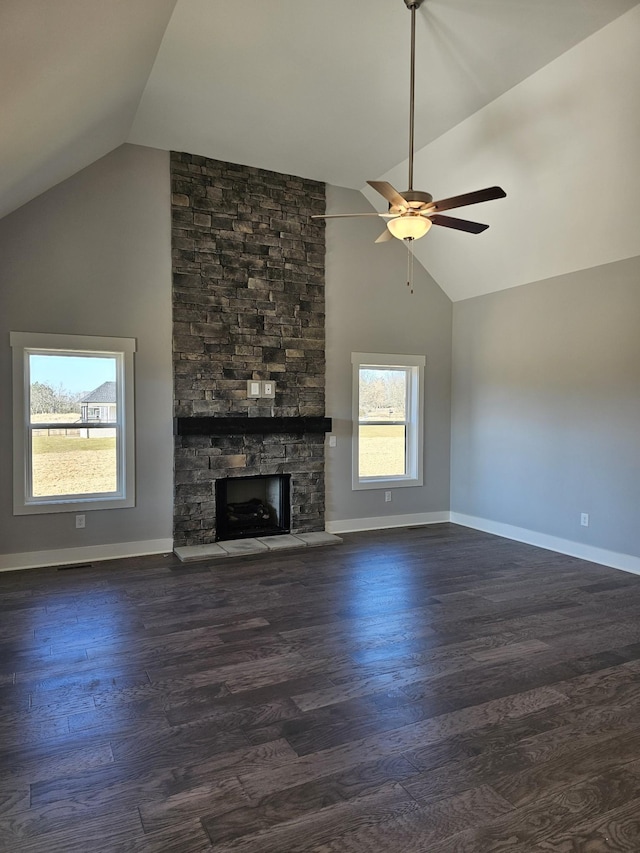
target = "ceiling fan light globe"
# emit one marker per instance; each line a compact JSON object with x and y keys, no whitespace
{"x":409,"y":227}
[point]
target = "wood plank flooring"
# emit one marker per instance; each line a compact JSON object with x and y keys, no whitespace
{"x":428,"y":690}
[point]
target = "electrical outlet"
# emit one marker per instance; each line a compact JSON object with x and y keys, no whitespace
{"x":387,"y":497}
{"x":80,"y":522}
{"x":584,"y":519}
{"x":332,"y":441}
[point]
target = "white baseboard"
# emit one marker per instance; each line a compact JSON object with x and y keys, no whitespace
{"x":95,"y":553}
{"x":90,"y":554}
{"x":384,"y":522}
{"x":625,"y":562}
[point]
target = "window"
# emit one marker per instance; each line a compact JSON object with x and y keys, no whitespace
{"x":388,"y":420}
{"x":73,"y":423}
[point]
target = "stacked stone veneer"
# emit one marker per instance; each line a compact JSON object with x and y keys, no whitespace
{"x":248,"y":303}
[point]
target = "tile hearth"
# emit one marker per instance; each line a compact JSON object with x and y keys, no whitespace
{"x":245,"y":547}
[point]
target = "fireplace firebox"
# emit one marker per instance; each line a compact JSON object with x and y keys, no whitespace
{"x":253,"y":506}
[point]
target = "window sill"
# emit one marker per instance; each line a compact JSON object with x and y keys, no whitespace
{"x":73,"y":505}
{"x":387,"y":482}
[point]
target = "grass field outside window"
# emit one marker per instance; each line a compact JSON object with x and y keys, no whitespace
{"x":68,"y":465}
{"x":382,"y":450}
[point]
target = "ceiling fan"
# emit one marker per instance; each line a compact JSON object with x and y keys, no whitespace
{"x":412,"y":212}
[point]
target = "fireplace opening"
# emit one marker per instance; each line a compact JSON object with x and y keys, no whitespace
{"x":253,"y":506}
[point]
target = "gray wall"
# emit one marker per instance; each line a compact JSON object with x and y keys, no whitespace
{"x":546,"y":406}
{"x":370,"y":309}
{"x":93,"y":256}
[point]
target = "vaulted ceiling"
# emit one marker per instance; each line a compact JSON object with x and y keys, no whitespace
{"x":539,"y":96}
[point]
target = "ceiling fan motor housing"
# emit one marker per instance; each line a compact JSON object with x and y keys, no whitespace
{"x":417,"y":201}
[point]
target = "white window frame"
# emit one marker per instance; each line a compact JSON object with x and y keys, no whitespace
{"x":414,"y":366}
{"x":23,"y":345}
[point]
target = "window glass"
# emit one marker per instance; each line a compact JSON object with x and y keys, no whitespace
{"x":68,"y":456}
{"x":382,"y":450}
{"x":383,"y":394}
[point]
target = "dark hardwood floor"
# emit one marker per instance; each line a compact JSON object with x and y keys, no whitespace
{"x":429,"y":690}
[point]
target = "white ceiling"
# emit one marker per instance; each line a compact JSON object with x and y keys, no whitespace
{"x":320,"y":89}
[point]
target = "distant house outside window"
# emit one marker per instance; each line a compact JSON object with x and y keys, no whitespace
{"x":388,"y":420}
{"x":99,"y":407}
{"x":73,"y":423}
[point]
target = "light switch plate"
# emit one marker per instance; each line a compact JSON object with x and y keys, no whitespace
{"x":268,"y":388}
{"x":253,"y":388}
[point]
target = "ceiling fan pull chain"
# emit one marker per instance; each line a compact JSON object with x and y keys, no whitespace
{"x":411,"y":256}
{"x":409,"y":265}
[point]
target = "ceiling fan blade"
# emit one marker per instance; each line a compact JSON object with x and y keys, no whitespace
{"x":387,"y":191}
{"x":347,"y":215}
{"x":458,"y":224}
{"x":476,"y":197}
{"x":386,"y":235}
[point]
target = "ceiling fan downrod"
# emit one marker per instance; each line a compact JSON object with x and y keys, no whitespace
{"x":412,"y":5}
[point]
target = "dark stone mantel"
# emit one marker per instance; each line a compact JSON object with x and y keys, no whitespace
{"x":250,"y":426}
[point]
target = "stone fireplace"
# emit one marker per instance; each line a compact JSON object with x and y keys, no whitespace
{"x":248,"y":303}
